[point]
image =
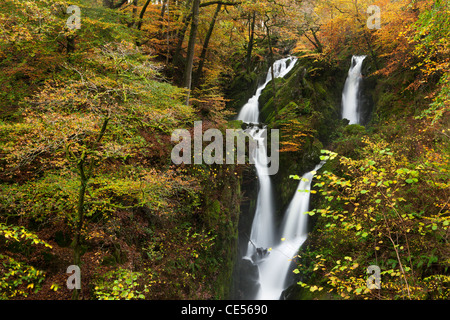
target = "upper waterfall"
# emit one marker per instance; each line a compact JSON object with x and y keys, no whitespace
{"x":350,"y":100}
{"x":250,"y":111}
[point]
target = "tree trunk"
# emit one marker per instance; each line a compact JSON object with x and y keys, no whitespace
{"x":366,"y":37}
{"x":372,"y":53}
{"x":272,"y":60}
{"x":141,"y":15}
{"x":316,"y":40}
{"x":70,"y":47}
{"x":84,"y":180}
{"x":80,"y":208}
{"x":205,"y":45}
{"x":168,"y":32}
{"x":161,"y":16}
{"x":108,"y":3}
{"x":250,"y":42}
{"x":187,"y":77}
{"x":180,"y":36}
{"x":134,"y":14}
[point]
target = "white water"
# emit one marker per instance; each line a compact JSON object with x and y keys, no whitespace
{"x":274,"y":267}
{"x":262,"y":233}
{"x":250,"y":111}
{"x":274,"y":270}
{"x":350,"y":108}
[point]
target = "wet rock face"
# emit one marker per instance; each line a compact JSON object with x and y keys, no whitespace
{"x":248,"y":279}
{"x":367,"y":87}
{"x":366,"y":102}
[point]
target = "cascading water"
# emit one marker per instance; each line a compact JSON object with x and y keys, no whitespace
{"x":250,"y":111}
{"x":350,"y":107}
{"x":262,"y":233}
{"x":273,"y":265}
{"x":262,"y":230}
{"x":272,"y":256}
{"x":274,"y":270}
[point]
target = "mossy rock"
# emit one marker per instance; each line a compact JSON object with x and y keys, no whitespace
{"x":212,"y":215}
{"x":267,"y":112}
{"x":241,"y":89}
{"x":354,"y":129}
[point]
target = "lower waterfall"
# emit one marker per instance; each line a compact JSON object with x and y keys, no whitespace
{"x":274,"y":268}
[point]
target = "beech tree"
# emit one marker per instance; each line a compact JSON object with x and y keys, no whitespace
{"x":187,"y":76}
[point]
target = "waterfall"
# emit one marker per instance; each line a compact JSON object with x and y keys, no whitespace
{"x":273,"y":256}
{"x":350,"y":108}
{"x":294,"y":225}
{"x":262,"y":233}
{"x":250,"y":111}
{"x":274,"y":270}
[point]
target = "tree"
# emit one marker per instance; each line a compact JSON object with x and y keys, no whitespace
{"x":181,"y":34}
{"x":376,"y":212}
{"x":112,"y":5}
{"x":85,"y":168}
{"x":142,"y":13}
{"x":251,"y":39}
{"x":187,"y":76}
{"x":205,"y":45}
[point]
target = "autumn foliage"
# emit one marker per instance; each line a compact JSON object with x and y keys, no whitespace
{"x":86,"y":117}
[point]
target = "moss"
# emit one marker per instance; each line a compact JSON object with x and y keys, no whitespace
{"x":309,"y":95}
{"x":354,"y":129}
{"x":242,"y":89}
{"x":221,"y":215}
{"x":267,"y":112}
{"x":212,"y":213}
